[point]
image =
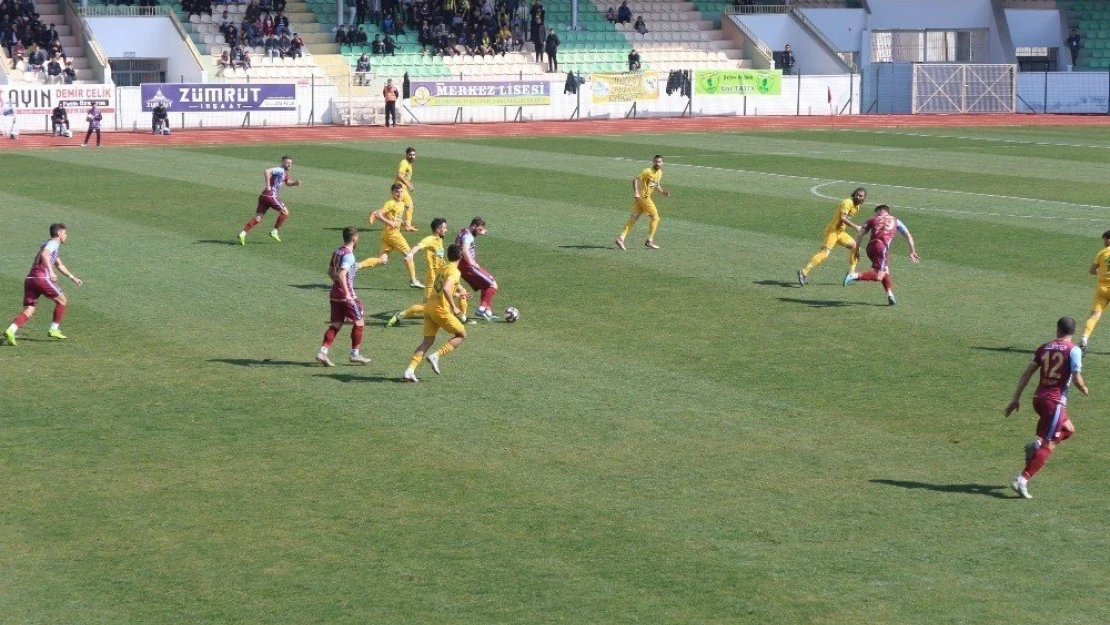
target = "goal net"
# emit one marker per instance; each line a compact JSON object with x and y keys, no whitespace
{"x":964,"y":88}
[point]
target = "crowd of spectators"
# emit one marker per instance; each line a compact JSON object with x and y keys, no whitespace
{"x":35,"y":45}
{"x":264,"y":25}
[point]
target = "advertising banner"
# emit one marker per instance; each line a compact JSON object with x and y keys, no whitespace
{"x":480,"y":93}
{"x":738,"y":82}
{"x":41,"y":99}
{"x":627,"y":87}
{"x":204,"y":98}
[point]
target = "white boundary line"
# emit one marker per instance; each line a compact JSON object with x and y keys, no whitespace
{"x":987,"y":139}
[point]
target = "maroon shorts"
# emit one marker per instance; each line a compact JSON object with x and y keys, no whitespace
{"x":267,"y":201}
{"x":1051,"y":418}
{"x":343,"y":311}
{"x":36,"y":287}
{"x":479,"y":279}
{"x":876,"y":251}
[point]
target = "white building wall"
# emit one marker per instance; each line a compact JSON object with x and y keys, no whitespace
{"x":147,"y":38}
{"x":777,"y":30}
{"x":940,"y":15}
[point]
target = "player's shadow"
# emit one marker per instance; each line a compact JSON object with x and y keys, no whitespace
{"x":216,"y":242}
{"x":998,"y":492}
{"x":1005,"y":350}
{"x":780,"y":283}
{"x":265,"y":362}
{"x":825,"y":303}
{"x":317,"y":286}
{"x":347,"y":378}
{"x":586,"y":247}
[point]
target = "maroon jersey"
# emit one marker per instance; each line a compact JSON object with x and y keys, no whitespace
{"x":40,"y":269}
{"x":883,"y":228}
{"x":1059,"y":361}
{"x":467,"y":241}
{"x":342,"y":258}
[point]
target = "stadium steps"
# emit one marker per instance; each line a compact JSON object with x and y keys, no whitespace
{"x":1092,"y":19}
{"x":679,"y":37}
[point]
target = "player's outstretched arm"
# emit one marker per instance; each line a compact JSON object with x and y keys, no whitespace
{"x":1012,"y":407}
{"x":1081,"y":384}
{"x":636,"y":187}
{"x":67,"y":273}
{"x":412,"y":253}
{"x":913,"y":248}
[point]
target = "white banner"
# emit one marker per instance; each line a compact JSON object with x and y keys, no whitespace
{"x":41,"y":99}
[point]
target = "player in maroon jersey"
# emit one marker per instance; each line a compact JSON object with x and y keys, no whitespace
{"x":345,"y":305}
{"x":42,"y":281}
{"x":476,"y":275}
{"x":273,"y":178}
{"x":1060,"y":363}
{"x":882,"y":228}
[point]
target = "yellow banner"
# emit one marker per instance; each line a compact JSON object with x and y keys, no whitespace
{"x":630,"y":87}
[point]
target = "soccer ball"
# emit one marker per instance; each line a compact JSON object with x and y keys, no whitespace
{"x":165,"y":132}
{"x":69,"y":134}
{"x":511,"y":314}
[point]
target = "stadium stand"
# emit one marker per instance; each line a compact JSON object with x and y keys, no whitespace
{"x":51,"y":13}
{"x":679,"y":37}
{"x":1093,"y":21}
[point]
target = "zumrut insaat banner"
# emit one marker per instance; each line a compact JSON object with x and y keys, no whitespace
{"x":206,"y":98}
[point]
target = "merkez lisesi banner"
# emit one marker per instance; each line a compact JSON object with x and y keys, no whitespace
{"x":625,"y":87}
{"x":737,"y":82}
{"x":205,"y":98}
{"x":480,"y":93}
{"x":41,"y":99}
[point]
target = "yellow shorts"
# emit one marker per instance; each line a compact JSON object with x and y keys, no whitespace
{"x":394,"y":241}
{"x":434,"y":321}
{"x":834,"y":238}
{"x":645,"y":205}
{"x":406,"y":199}
{"x":1101,"y":299}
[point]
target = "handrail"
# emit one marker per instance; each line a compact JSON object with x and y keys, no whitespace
{"x":193,"y":50}
{"x":88,"y":41}
{"x":755,"y":9}
{"x":756,"y":42}
{"x":107,"y":10}
{"x":822,"y":37}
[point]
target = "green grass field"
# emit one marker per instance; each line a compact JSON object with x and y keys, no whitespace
{"x":682,"y":436}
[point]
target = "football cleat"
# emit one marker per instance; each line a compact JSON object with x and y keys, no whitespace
{"x":433,"y":360}
{"x":849,"y":278}
{"x":651,"y":244}
{"x":409,"y":376}
{"x":620,"y":243}
{"x":394,"y":320}
{"x":411,"y":228}
{"x":890,"y":299}
{"x":1021,"y":487}
{"x":55,"y":334}
{"x":242,"y":238}
{"x":359,"y":359}
{"x":9,"y":335}
{"x":274,"y":236}
{"x":801,"y":278}
{"x":416,"y":284}
{"x":323,"y":359}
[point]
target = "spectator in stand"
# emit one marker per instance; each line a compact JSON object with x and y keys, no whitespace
{"x":266,"y":5}
{"x":640,"y":26}
{"x":504,"y":40}
{"x":360,"y":36}
{"x":341,"y":35}
{"x":1075,"y":44}
{"x":389,"y":45}
{"x":285,"y":45}
{"x":36,"y":59}
{"x":54,"y":70}
{"x":237,"y":56}
{"x":486,"y":46}
{"x":255,"y":35}
{"x":296,"y":46}
{"x":279,"y":6}
{"x":362,"y":68}
{"x":538,"y":38}
{"x":272,"y":48}
{"x":551,"y":47}
{"x":11,"y":38}
{"x":463,"y":44}
{"x":376,"y":46}
{"x":253,"y":12}
{"x":611,"y":15}
{"x":225,"y":21}
{"x":60,"y":120}
{"x":69,"y":75}
{"x":624,"y":14}
{"x":223,"y":62}
{"x":443,"y":45}
{"x":633,"y":61}
{"x":51,"y":35}
{"x":246,"y":59}
{"x":518,"y":37}
{"x":425,"y":38}
{"x":387,"y":23}
{"x":389,"y":92}
{"x":56,"y":49}
{"x":18,"y":54}
{"x":267,"y":25}
{"x":537,"y":10}
{"x":362,"y":7}
{"x":231,"y":35}
{"x":788,"y":61}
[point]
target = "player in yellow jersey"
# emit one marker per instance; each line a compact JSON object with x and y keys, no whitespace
{"x":835,"y":235}
{"x":404,"y":177}
{"x":440,"y":313}
{"x":432,"y":246}
{"x":1100,"y":268}
{"x":392,"y":239}
{"x":642,"y":188}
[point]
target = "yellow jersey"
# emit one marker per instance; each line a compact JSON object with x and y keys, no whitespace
{"x":404,"y":173}
{"x":393,"y":209}
{"x":1103,"y":262}
{"x":441,"y":304}
{"x":649,"y":181}
{"x":433,"y":253}
{"x":848,"y":208}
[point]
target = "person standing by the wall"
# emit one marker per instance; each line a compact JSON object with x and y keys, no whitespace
{"x":390,"y":95}
{"x":788,"y":61}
